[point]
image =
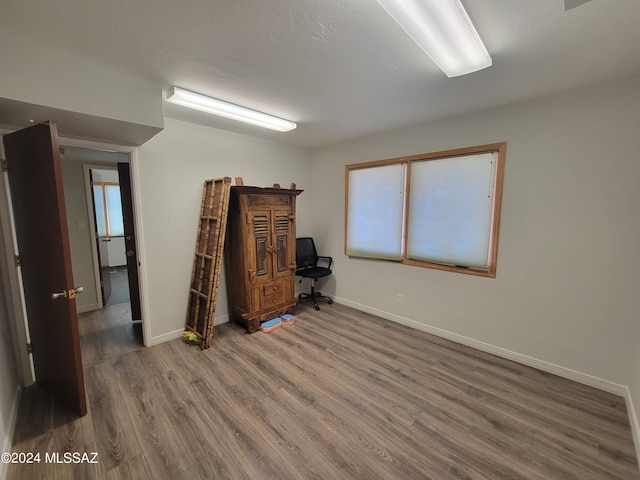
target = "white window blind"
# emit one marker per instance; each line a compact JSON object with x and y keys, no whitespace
{"x":437,"y":210}
{"x":451,"y":209}
{"x":114,"y":209}
{"x":376,"y":212}
{"x":108,"y":208}
{"x":101,"y":215}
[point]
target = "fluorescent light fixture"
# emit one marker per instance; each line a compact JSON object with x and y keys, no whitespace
{"x":444,"y":31}
{"x":214,"y":106}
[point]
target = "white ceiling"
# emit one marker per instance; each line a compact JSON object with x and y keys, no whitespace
{"x":340,"y":68}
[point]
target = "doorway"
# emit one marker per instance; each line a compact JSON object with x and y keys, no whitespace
{"x":94,"y":198}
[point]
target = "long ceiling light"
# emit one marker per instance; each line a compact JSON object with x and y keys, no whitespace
{"x":444,"y":31}
{"x":214,"y":106}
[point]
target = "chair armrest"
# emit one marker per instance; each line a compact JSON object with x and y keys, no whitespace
{"x":329,"y":260}
{"x":300,"y":270}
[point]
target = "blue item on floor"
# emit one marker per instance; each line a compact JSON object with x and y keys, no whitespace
{"x":271,"y":325}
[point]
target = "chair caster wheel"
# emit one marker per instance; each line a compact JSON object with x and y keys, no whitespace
{"x":317,"y":307}
{"x":329,"y":301}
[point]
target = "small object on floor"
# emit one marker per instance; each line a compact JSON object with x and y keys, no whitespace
{"x":191,"y":338}
{"x":271,"y":325}
{"x":288,"y":319}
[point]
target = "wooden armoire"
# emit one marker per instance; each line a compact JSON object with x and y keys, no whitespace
{"x":260,"y":256}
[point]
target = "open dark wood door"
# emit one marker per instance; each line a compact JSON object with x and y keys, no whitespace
{"x":105,"y":270}
{"x":35,"y":179}
{"x":124,"y":176}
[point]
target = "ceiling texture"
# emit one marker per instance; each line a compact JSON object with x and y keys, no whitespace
{"x":341,"y":69}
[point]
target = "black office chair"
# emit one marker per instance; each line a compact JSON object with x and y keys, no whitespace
{"x":307,"y":261}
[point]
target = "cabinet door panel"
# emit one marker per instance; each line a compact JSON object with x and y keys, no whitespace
{"x":261,"y":266}
{"x":283,"y":232}
{"x":282,"y":260}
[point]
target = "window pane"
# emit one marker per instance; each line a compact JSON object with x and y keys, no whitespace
{"x":114,"y":208}
{"x":375,"y":212}
{"x":101,"y":221}
{"x":450,"y":210}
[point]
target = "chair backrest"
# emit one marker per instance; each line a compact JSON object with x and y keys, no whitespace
{"x":306,"y":255}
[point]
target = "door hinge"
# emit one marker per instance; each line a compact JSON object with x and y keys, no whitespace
{"x":18,"y":260}
{"x":4,"y":164}
{"x":29,"y":348}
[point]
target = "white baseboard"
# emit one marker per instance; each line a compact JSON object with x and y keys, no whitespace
{"x":178,"y":333}
{"x":165,"y":337}
{"x":564,"y":372}
{"x":635,"y":424}
{"x":88,"y":308}
{"x":10,"y":428}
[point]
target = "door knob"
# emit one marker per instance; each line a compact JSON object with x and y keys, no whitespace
{"x":73,"y":291}
{"x":64,"y":294}
{"x":56,"y":295}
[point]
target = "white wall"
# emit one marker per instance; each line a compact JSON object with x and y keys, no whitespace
{"x":39,"y":75}
{"x":566,"y":292}
{"x":172,"y":168}
{"x":108,"y":175}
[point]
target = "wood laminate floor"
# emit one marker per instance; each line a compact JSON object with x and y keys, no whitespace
{"x":108,"y":332}
{"x":339,"y":395}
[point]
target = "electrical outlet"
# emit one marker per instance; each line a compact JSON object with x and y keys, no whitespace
{"x":399,"y":298}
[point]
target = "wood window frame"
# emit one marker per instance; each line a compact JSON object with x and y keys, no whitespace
{"x":498,"y":148}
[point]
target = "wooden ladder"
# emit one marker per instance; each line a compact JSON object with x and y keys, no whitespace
{"x":208,"y":259}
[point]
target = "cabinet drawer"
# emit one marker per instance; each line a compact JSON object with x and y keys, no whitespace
{"x":272,"y":300}
{"x":272,"y":288}
{"x":272,"y":294}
